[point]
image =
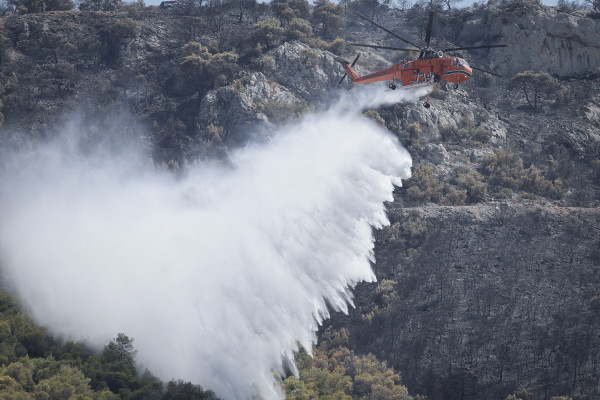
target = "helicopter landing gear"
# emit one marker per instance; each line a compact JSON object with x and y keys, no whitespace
{"x":426,"y":105}
{"x":392,"y":86}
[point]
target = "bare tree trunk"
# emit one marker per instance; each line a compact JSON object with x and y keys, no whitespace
{"x":526,"y":95}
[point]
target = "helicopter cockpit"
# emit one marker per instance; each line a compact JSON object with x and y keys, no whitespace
{"x":460,"y":63}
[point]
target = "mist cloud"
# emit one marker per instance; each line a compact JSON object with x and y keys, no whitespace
{"x":218,"y":274}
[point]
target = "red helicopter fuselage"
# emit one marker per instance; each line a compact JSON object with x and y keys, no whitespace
{"x":428,"y":69}
{"x":417,"y":72}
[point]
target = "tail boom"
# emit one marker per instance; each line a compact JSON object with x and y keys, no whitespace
{"x":352,"y":74}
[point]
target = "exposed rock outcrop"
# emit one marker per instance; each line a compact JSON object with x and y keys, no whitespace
{"x":244,"y":105}
{"x":539,"y":38}
{"x":310,"y":73}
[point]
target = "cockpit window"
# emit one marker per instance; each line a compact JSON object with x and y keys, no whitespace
{"x":465,"y":63}
{"x":454,"y":62}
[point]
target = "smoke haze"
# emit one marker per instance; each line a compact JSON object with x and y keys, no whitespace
{"x":218,"y":274}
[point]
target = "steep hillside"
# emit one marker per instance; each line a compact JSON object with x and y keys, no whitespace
{"x":487,"y":300}
{"x":488,"y":276}
{"x":497,"y":297}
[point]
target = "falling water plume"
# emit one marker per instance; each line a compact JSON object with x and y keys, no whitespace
{"x":218,"y":274}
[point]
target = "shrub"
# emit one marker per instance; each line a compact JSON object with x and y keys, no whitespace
{"x":467,"y":131}
{"x":193,"y":65}
{"x":536,"y":183}
{"x":472,"y":182}
{"x":299,"y":29}
{"x":481,"y":135}
{"x":374,"y":115}
{"x":414,"y":130}
{"x":309,"y":57}
{"x":222,"y":63}
{"x":423,"y":186}
{"x":215,"y":132}
{"x":337,"y":46}
{"x":194,"y":48}
{"x":241,"y":83}
{"x":503,"y":194}
{"x":414,"y":230}
{"x":506,"y":170}
{"x":457,"y":197}
{"x":268,"y":33}
{"x":201,"y":68}
{"x":335,"y":372}
{"x":267,"y":63}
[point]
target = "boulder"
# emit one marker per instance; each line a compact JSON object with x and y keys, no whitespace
{"x":436,"y":153}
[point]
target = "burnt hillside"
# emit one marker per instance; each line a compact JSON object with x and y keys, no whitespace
{"x":488,"y":276}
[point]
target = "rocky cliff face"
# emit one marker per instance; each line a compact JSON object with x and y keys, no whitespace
{"x":93,"y":63}
{"x":560,"y":42}
{"x":300,"y":77}
{"x":483,"y":301}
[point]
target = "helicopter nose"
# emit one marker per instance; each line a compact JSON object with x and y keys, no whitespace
{"x":469,"y":72}
{"x":465,"y":74}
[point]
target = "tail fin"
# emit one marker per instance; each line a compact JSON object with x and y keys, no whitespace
{"x":348,"y":68}
{"x":353,"y":75}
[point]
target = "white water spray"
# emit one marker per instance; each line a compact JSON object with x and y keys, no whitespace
{"x":217,"y":275}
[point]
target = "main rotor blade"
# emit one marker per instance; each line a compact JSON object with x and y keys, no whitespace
{"x":476,"y":47}
{"x":487,"y":72}
{"x":384,"y":28}
{"x":342,"y":80}
{"x":382,"y":47}
{"x":429,"y":28}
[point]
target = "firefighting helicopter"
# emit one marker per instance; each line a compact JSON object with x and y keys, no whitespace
{"x":427,"y":69}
